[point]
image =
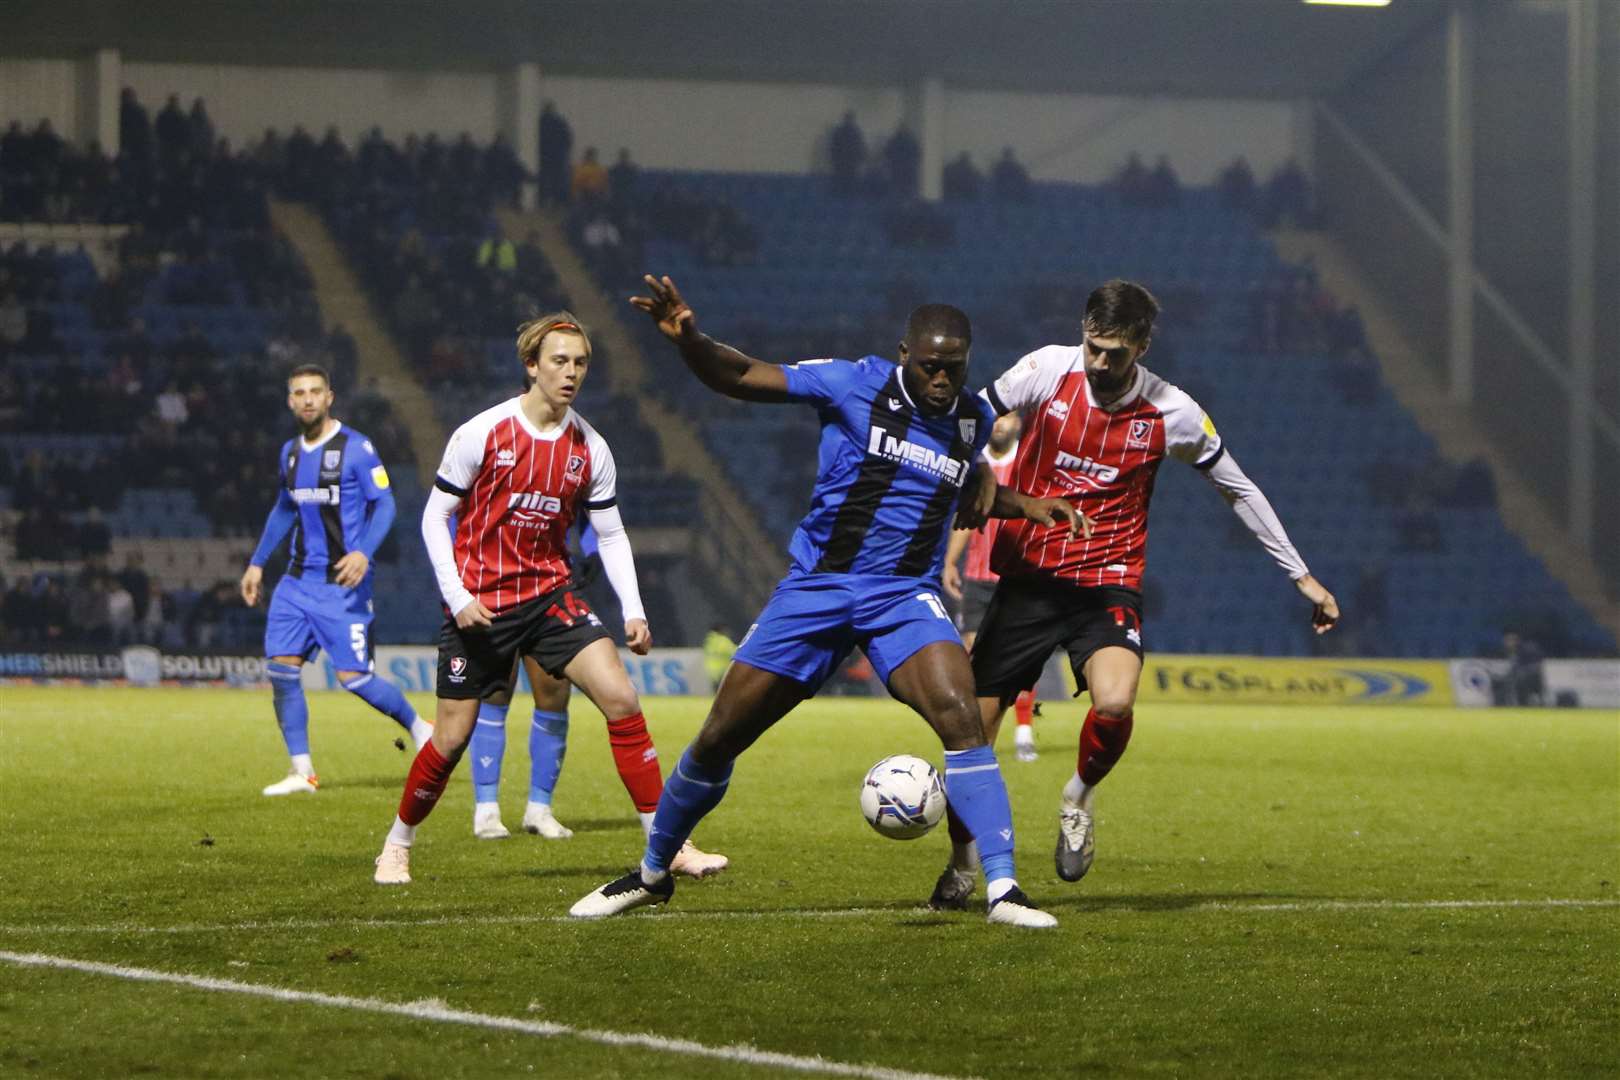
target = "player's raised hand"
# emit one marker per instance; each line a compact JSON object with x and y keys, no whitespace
{"x":350,"y":570}
{"x":474,"y":614}
{"x":1055,"y":511}
{"x":251,"y":580}
{"x":637,"y":638}
{"x":674,"y":318}
{"x":1325,"y":609}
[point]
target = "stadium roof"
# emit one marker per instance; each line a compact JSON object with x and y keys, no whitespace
{"x":1228,"y":48}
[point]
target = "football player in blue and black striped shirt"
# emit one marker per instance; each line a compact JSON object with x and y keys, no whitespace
{"x":336,"y":503}
{"x":898,"y":444}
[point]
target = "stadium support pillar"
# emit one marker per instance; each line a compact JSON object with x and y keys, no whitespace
{"x":1460,"y":199}
{"x":517,"y":116}
{"x":1583,"y":225}
{"x":101,"y":77}
{"x":925,"y":108}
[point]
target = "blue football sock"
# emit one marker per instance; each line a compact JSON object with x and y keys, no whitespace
{"x":292,"y":711}
{"x":690,"y":792}
{"x":548,"y":745}
{"x":383,"y":696}
{"x":488,"y":748}
{"x":977,"y":793}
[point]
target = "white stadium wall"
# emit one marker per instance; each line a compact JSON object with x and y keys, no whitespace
{"x":668,"y":124}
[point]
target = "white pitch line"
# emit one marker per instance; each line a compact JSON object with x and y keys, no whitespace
{"x":441,"y":1013}
{"x":472,"y":919}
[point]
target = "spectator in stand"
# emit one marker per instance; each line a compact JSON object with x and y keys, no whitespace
{"x":1009,"y":180}
{"x":503,"y":172}
{"x":120,"y":614}
{"x":497,"y":253}
{"x":1236,"y":186}
{"x":846,"y":149}
{"x":603,"y":246}
{"x":962,"y":179}
{"x":590,"y":179}
{"x":556,"y":144}
{"x":623,"y":179}
{"x":134,"y":580}
{"x":13,"y":323}
{"x":173,"y":131}
{"x":1288,"y":197}
{"x":902,"y":157}
{"x":202,"y":130}
{"x":150,"y":621}
{"x":1131,"y":182}
{"x":134,"y":128}
{"x":171,"y":407}
{"x":1163,"y":186}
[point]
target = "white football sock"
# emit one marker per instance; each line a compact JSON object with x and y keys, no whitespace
{"x":401,"y":834}
{"x":649,"y":876}
{"x":1000,"y":887}
{"x":646,"y":821}
{"x":487,"y":808}
{"x":421,"y":732}
{"x":303,"y":765}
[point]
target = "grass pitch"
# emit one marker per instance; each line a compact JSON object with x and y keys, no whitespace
{"x":1288,"y":892}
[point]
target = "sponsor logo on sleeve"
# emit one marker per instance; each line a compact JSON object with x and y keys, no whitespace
{"x":379,"y":476}
{"x":1209,"y":427}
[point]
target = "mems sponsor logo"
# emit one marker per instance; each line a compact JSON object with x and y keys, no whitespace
{"x":331,"y":495}
{"x":922,"y":458}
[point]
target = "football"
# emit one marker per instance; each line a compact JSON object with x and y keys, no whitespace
{"x":902,"y":797}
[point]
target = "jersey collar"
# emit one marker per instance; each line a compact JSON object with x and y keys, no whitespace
{"x":549,"y":435}
{"x":1124,"y":399}
{"x":337,"y":426}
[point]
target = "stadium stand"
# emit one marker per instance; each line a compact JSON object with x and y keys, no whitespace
{"x":143,"y":324}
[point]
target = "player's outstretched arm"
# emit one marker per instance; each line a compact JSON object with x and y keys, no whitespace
{"x":1011,"y":503}
{"x":951,"y":576}
{"x":466,"y":608}
{"x":978,"y":498}
{"x":618,"y":562}
{"x":718,"y":366}
{"x":1252,"y":507}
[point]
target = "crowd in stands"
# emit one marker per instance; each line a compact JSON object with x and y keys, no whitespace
{"x":98,"y":607}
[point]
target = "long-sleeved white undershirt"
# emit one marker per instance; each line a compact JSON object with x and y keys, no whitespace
{"x":613,"y":544}
{"x":1252,"y":508}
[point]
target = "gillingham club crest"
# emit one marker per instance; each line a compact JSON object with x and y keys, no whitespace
{"x":331,"y":458}
{"x":968,"y":428}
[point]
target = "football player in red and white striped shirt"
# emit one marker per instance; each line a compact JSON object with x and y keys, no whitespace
{"x":1097,"y":425}
{"x":516,"y":476}
{"x":972,"y":585}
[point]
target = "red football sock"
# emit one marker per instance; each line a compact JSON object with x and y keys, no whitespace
{"x":1102,"y":741}
{"x":430,"y":772}
{"x":1024,"y":707}
{"x":637,"y":761}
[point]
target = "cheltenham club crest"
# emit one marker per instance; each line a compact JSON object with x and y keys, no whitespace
{"x":1140,"y":434}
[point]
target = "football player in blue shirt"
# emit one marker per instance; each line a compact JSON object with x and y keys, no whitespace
{"x":898,"y":442}
{"x":335,"y":501}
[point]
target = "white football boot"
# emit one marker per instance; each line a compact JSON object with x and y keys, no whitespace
{"x":1076,"y":842}
{"x":487,"y":823}
{"x":623,"y":894}
{"x":294,"y":784}
{"x":393,"y":865}
{"x":695,"y":863}
{"x":538,"y":820}
{"x":1016,"y":909}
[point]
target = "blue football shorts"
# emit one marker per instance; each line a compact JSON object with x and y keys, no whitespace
{"x":307,"y":616}
{"x":812,"y":621}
